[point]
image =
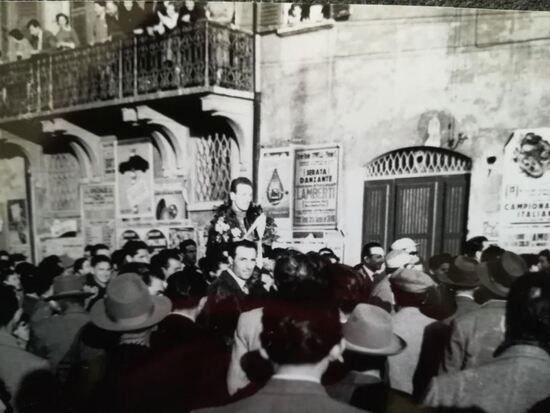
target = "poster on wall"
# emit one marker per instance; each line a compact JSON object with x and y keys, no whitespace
{"x":525,"y":198}
{"x":108,"y":156}
{"x":179,"y":234}
{"x":316,"y":175}
{"x":98,"y":214}
{"x":275,"y":189}
{"x":18,"y":239}
{"x":170,"y":202}
{"x":15,"y":232}
{"x":135,"y":179}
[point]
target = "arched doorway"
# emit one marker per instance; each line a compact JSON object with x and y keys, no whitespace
{"x":420,"y":193}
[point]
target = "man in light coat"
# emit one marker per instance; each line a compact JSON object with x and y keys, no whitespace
{"x":519,"y":376}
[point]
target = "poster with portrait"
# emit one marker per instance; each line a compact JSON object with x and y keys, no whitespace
{"x":316,"y":175}
{"x":170,"y":202}
{"x":135,"y":179}
{"x":525,"y":197}
{"x":275,"y":189}
{"x":98,"y":214}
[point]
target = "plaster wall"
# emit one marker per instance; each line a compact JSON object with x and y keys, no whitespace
{"x":366,"y":82}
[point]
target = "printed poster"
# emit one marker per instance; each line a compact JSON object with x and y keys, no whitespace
{"x":525,"y":199}
{"x":108,"y":156}
{"x":170,"y":202}
{"x":275,"y":187}
{"x":98,"y":214}
{"x":316,"y":187}
{"x":135,"y":179}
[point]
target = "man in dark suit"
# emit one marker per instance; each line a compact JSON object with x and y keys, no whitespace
{"x":15,"y":363}
{"x":189,"y":364}
{"x":300,"y":342}
{"x":461,"y":280}
{"x":229,"y":295}
{"x":477,"y":334}
{"x":42,"y":41}
{"x":519,"y":376}
{"x":377,"y":289}
{"x":52,"y":337}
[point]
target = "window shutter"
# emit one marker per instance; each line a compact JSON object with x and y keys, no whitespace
{"x":455,"y":210}
{"x":377,"y":198}
{"x":269,"y":16}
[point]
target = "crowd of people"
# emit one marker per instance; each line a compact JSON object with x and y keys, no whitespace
{"x":114,"y":20}
{"x":280,"y":330}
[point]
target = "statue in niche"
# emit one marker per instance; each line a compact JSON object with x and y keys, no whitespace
{"x":434,"y":132}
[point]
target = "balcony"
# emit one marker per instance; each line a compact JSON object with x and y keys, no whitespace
{"x":208,"y":57}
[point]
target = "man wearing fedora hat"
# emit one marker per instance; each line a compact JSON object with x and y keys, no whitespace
{"x":52,"y":337}
{"x":476,"y":335}
{"x":372,"y":269}
{"x":461,"y":281}
{"x":518,"y":376}
{"x":369,"y":339}
{"x":410,"y":287}
{"x":130,"y":310}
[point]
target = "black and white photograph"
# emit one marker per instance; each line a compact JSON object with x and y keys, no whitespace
{"x":270,"y":206}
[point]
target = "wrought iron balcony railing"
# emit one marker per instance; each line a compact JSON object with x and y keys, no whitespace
{"x":206,"y":55}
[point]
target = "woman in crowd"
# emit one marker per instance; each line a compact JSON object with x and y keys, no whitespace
{"x":66,"y":36}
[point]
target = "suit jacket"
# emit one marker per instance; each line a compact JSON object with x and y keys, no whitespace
{"x":287,"y":396}
{"x":52,"y":337}
{"x":49,"y":41}
{"x":226,"y":301}
{"x":378,"y":291}
{"x":436,"y":337}
{"x":187,"y":369}
{"x":408,"y":323}
{"x":474,"y":337}
{"x":512,"y":382}
{"x":464,"y":305}
{"x":246,"y":339}
{"x":16,"y":363}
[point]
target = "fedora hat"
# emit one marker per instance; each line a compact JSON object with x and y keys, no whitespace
{"x":68,"y":286}
{"x":369,"y":330}
{"x":462,"y":273}
{"x":411,"y":281}
{"x":498,"y":275}
{"x":128,"y":306}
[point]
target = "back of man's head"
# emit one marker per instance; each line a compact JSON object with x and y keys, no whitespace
{"x":528,"y":311}
{"x":298,"y":280}
{"x":474,"y":245}
{"x":8,"y":305}
{"x":296,"y":335}
{"x":185,"y":290}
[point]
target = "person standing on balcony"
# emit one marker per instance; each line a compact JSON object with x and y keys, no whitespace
{"x":19,"y":47}
{"x":113,"y":21}
{"x":169,"y":18}
{"x":42,"y":41}
{"x":66,"y":36}
{"x":191,"y":12}
{"x":131,"y":18}
{"x":100,"y":29}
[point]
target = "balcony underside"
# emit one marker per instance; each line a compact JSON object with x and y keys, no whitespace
{"x":207,"y":58}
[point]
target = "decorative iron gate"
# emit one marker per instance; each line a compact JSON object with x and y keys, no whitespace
{"x":419,"y":193}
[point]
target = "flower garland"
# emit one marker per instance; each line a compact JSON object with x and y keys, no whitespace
{"x":225,"y":227}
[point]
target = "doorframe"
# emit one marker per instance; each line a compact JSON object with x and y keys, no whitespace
{"x":434,"y":163}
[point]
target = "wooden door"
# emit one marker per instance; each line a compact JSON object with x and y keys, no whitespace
{"x":432,"y":210}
